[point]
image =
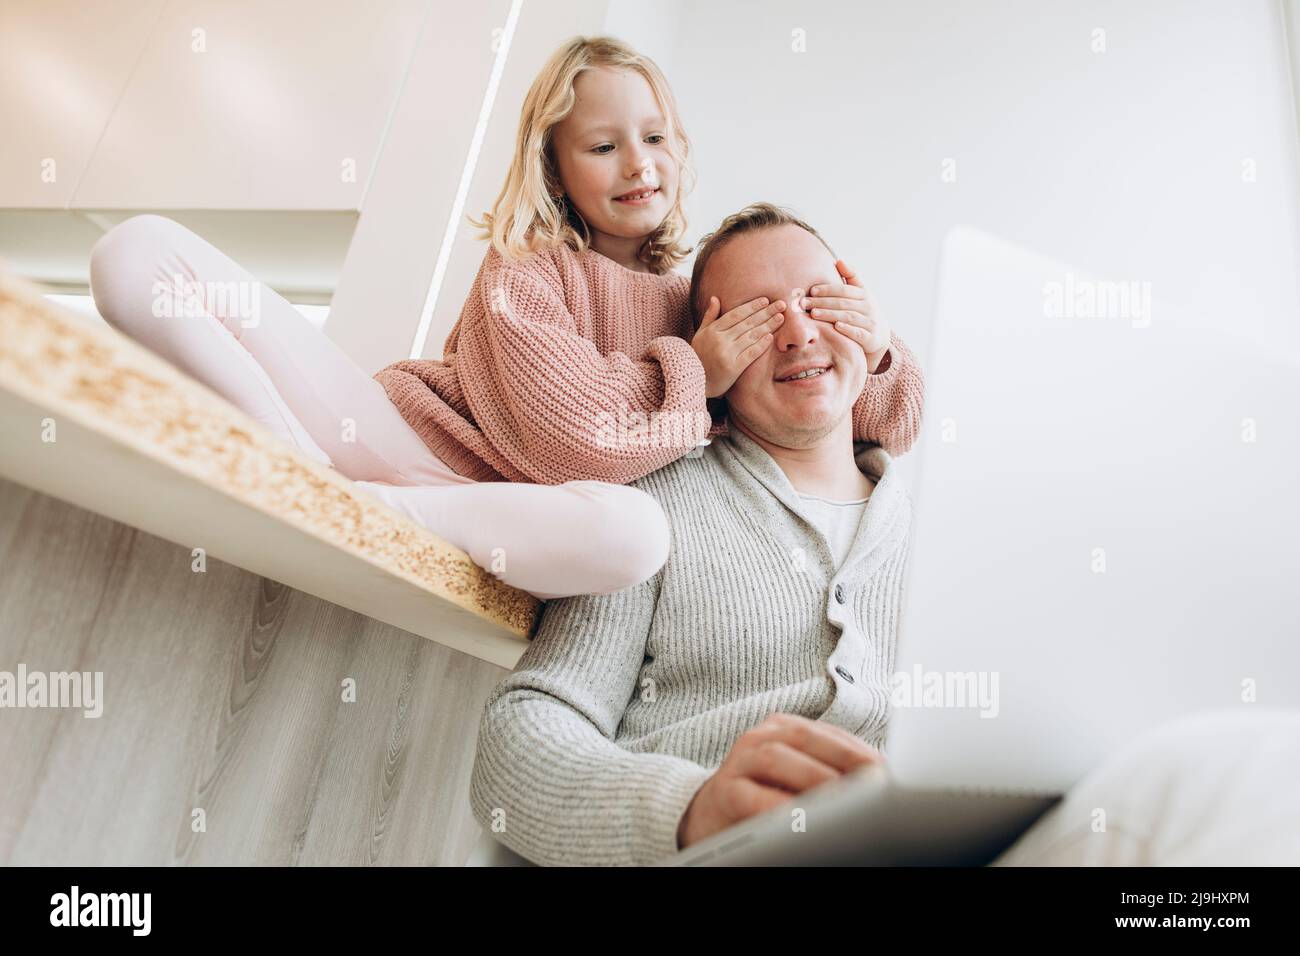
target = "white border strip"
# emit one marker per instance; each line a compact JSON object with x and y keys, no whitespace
{"x":1291,"y":44}
{"x":466,"y":177}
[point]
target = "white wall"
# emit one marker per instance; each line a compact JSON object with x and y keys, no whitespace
{"x":1127,"y":163}
{"x":409,"y":199}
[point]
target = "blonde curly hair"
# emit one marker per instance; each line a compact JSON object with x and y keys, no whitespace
{"x":532,"y":212}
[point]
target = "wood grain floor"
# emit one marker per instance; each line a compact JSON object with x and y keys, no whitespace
{"x":223,"y":692}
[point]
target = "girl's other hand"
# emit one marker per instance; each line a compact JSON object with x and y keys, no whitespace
{"x":853,"y":312}
{"x":727,"y":345}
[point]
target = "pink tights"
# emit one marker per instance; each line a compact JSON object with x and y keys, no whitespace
{"x":249,"y":345}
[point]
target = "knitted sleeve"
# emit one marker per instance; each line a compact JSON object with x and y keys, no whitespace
{"x":548,"y":780}
{"x":888,"y":412}
{"x":557,"y":408}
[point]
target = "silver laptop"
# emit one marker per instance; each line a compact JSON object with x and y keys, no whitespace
{"x":1106,"y":537}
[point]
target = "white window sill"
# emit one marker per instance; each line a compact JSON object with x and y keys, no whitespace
{"x":139,"y":442}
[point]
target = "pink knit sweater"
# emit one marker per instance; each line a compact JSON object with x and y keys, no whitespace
{"x":550,"y":349}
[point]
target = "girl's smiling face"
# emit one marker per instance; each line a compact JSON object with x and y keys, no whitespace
{"x":615,"y":142}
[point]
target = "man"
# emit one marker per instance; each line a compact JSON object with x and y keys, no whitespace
{"x":756,"y":663}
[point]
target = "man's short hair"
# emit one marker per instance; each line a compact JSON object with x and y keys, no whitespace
{"x":755,"y":216}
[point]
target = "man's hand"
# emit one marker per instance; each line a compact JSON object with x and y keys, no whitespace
{"x":852,"y":311}
{"x":727,"y":345}
{"x":770,"y":763}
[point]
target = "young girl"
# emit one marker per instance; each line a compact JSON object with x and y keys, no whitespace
{"x":517,"y":445}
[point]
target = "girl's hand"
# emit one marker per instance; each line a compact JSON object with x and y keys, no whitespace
{"x":727,"y":345}
{"x":853,"y":312}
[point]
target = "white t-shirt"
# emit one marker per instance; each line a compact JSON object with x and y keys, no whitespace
{"x":837,"y":520}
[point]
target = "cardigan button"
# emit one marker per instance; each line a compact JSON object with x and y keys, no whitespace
{"x":843,"y":673}
{"x":839,"y":593}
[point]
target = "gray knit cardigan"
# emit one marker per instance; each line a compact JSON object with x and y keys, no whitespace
{"x":624,"y":704}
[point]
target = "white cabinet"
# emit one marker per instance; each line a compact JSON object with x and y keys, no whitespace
{"x":63,"y":66}
{"x":197,"y":104}
{"x":257,"y":124}
{"x":255,"y":106}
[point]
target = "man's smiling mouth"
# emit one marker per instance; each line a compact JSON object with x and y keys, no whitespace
{"x":804,"y":373}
